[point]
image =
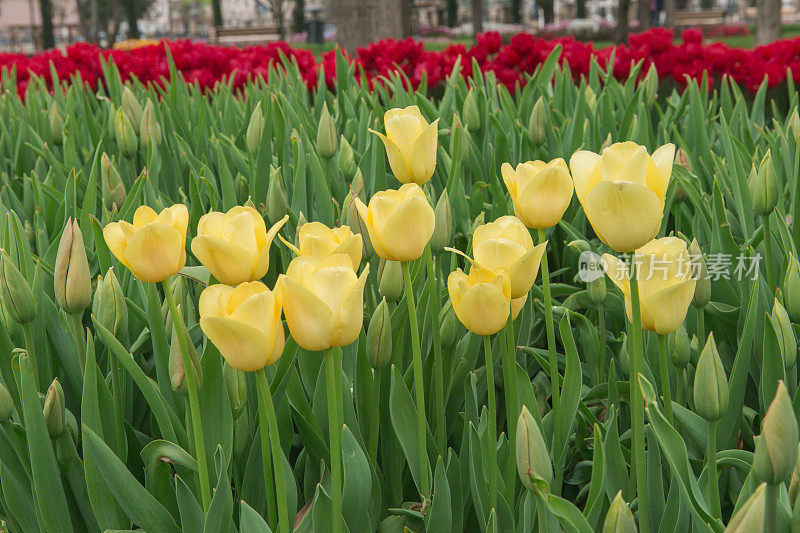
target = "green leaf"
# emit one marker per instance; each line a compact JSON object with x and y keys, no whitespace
{"x":403,"y":413}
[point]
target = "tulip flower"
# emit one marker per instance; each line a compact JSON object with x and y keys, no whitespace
{"x":540,"y":191}
{"x":400,"y":223}
{"x":152,"y":247}
{"x":622,"y":191}
{"x":318,"y":240}
{"x":506,"y":245}
{"x":72,"y":280}
{"x":410,"y":144}
{"x":244,"y":323}
{"x":481,"y":299}
{"x":234,"y":246}
{"x":666,"y":285}
{"x":323,"y":301}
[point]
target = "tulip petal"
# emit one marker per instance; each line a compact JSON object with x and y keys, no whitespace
{"x":144,"y":215}
{"x":229,"y":263}
{"x":586,"y":173}
{"x":180,"y":218}
{"x":423,"y":155}
{"x":212,"y":223}
{"x":510,"y":179}
{"x":117,"y":236}
{"x":668,"y":307}
{"x":155,"y":253}
{"x":374,"y":238}
{"x":214,"y":301}
{"x":662,"y":159}
{"x":351,"y":312}
{"x":416,"y":213}
{"x":258,"y":311}
{"x":624,"y":215}
{"x":524,"y":270}
{"x":483,"y":309}
{"x":545,"y":198}
{"x":310,"y":322}
{"x":617,"y":272}
{"x":517,"y":304}
{"x":455,"y":284}
{"x":262,"y":266}
{"x":243,"y":346}
{"x":397,"y":161}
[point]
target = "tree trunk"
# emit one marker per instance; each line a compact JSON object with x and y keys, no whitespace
{"x":216,"y":10}
{"x":299,"y":16}
{"x":580,"y":9}
{"x":623,"y":19}
{"x":94,"y":20}
{"x":276,"y":10}
{"x":133,"y":20}
{"x":516,"y":11}
{"x":452,"y":13}
{"x":669,"y":13}
{"x":46,"y":12}
{"x":644,"y":15}
{"x":355,"y":23}
{"x":477,"y":18}
{"x":768,"y":21}
{"x":548,"y":9}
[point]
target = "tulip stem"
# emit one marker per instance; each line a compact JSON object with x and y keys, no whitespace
{"x":771,"y":507}
{"x":701,"y":333}
{"x":601,"y":331}
{"x":548,"y":322}
{"x":638,"y":463}
{"x":333,"y":385}
{"x":268,"y":424}
{"x":491,"y":451}
{"x":768,"y":252}
{"x":419,"y":383}
{"x":711,"y":469}
{"x":663,"y":365}
{"x":374,"y":425}
{"x":30,"y":349}
{"x":510,"y":388}
{"x":438,"y":373}
{"x":80,"y":337}
{"x":194,"y":401}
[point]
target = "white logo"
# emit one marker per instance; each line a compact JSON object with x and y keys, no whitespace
{"x":589,"y":267}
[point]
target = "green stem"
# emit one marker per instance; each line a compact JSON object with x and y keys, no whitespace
{"x":434,"y":306}
{"x":771,"y":507}
{"x":194,"y":401}
{"x":80,"y":337}
{"x":548,"y":322}
{"x":419,"y":387}
{"x":374,"y":425}
{"x":510,"y":389}
{"x":333,"y":385}
{"x":768,"y":251}
{"x":601,"y":330}
{"x":267,"y":419}
{"x":638,"y":463}
{"x":492,"y":422}
{"x":30,"y":349}
{"x":711,"y":469}
{"x":701,"y":326}
{"x":663,"y":366}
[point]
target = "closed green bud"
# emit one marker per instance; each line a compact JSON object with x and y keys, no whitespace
{"x":242,"y":188}
{"x":326,"y":134}
{"x":763,"y":186}
{"x":109,"y":307}
{"x":608,"y":141}
{"x":533,"y":458}
{"x":443,"y":230}
{"x":241,"y":434}
{"x":791,"y":288}
{"x":794,"y":123}
{"x":17,"y":294}
{"x":71,"y":278}
{"x":379,"y":336}
{"x":56,"y":125}
{"x":776,"y":448}
{"x":681,"y":349}
{"x":597,"y":290}
{"x":346,"y":160}
{"x":236,"y":385}
{"x":786,"y":337}
{"x":619,"y":518}
{"x":750,"y":516}
{"x":580,"y":246}
{"x":255,"y":128}
{"x":277,"y":204}
{"x":390,"y":280}
{"x":537,"y":123}
{"x":702,"y":288}
{"x":177,"y":372}
{"x":447,"y":325}
{"x":54,"y":411}
{"x":113,"y":189}
{"x":132,"y":107}
{"x":472,"y":113}
{"x":6,"y":404}
{"x":650,"y":85}
{"x":710,"y":383}
{"x":591,"y":100}
{"x":624,"y":360}
{"x":125,"y":134}
{"x":150,"y":129}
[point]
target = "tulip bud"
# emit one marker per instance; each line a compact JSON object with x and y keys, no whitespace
{"x":109,"y":306}
{"x":597,"y":290}
{"x":390,"y":280}
{"x":710,"y":383}
{"x":794,"y":123}
{"x":650,"y":84}
{"x":150,"y":129}
{"x":619,"y":518}
{"x":125,"y":134}
{"x":786,"y":337}
{"x":346,"y":159}
{"x":255,"y":129}
{"x":681,"y":348}
{"x":472,"y":114}
{"x":113,"y":188}
{"x":236,"y":384}
{"x":702,"y":288}
{"x":56,"y":125}
{"x":241,"y":434}
{"x":132,"y":107}
{"x":277,"y":204}
{"x":776,"y":448}
{"x":177,"y":372}
{"x":791,"y":288}
{"x":763,"y":186}
{"x":447,"y":325}
{"x":591,"y":99}
{"x":6,"y":404}
{"x":17,"y":294}
{"x":580,"y":246}
{"x":537,"y":123}
{"x":72,"y":280}
{"x":750,"y":517}
{"x":353,"y":219}
{"x":379,"y":336}
{"x":326,"y":134}
{"x":443,"y":229}
{"x":54,"y":410}
{"x":624,"y":361}
{"x":533,"y":459}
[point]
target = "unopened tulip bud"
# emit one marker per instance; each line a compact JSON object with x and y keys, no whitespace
{"x":6,"y":404}
{"x":56,"y":125}
{"x":255,"y":128}
{"x":597,"y":290}
{"x":54,"y":410}
{"x":109,"y":306}
{"x":710,"y":384}
{"x":794,"y":123}
{"x":763,"y":186}
{"x":443,"y":230}
{"x":591,"y":99}
{"x":702,"y":288}
{"x":150,"y":129}
{"x":472,"y":113}
{"x":132,"y":107}
{"x":112,"y":186}
{"x":681,"y":349}
{"x":357,"y":224}
{"x":326,"y":134}
{"x":125,"y":134}
{"x":236,"y":384}
{"x":17,"y":294}
{"x":791,"y":288}
{"x":447,"y":325}
{"x":533,"y":459}
{"x":624,"y":361}
{"x":379,"y":336}
{"x":580,"y":246}
{"x":619,"y":518}
{"x":786,"y":336}
{"x":277,"y":204}
{"x":537,"y":123}
{"x":750,"y":516}
{"x":650,"y":84}
{"x":177,"y":372}
{"x":346,"y":159}
{"x":390,"y":280}
{"x":241,"y":434}
{"x":242,"y":188}
{"x":608,"y":141}
{"x":72,"y":280}
{"x":776,"y":448}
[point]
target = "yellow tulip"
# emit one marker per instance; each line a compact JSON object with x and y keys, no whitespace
{"x":481,"y":299}
{"x":540,"y":191}
{"x":517,"y":304}
{"x":410,"y":144}
{"x":622,"y":191}
{"x":506,"y":245}
{"x":234,"y":246}
{"x":323,"y":301}
{"x":153,"y":248}
{"x":666,"y":283}
{"x":244,"y":323}
{"x":400,"y":223}
{"x":320,"y":241}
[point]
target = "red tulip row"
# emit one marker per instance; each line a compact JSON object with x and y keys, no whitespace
{"x":205,"y":64}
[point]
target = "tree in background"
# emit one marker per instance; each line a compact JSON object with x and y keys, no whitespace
{"x":452,"y":13}
{"x":107,"y":15}
{"x":516,"y":11}
{"x":477,"y":18}
{"x":359,"y":23}
{"x":623,"y":21}
{"x":580,"y":9}
{"x":299,"y":16}
{"x":216,"y":11}
{"x":768,"y":21}
{"x":46,"y":11}
{"x":644,"y":15}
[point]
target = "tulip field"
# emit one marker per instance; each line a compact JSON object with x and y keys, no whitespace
{"x":274,"y":305}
